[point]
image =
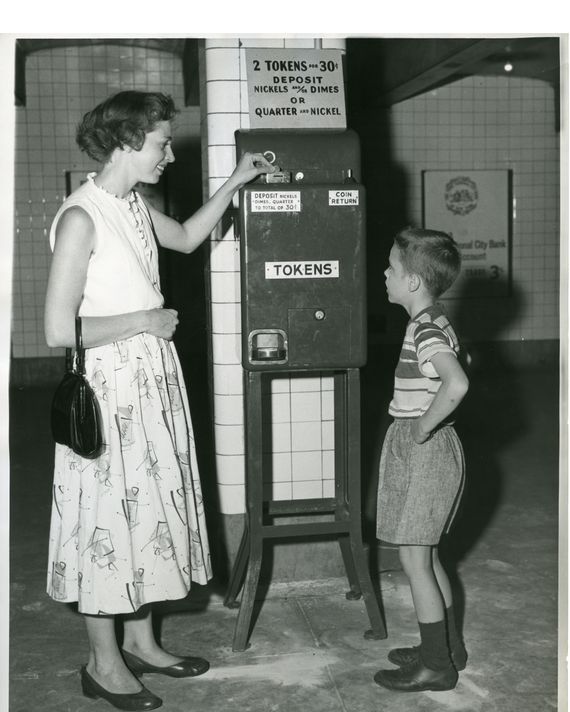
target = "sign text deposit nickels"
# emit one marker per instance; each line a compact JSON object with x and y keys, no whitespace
{"x":300,"y":88}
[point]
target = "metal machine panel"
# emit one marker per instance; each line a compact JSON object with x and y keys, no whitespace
{"x":322,"y":156}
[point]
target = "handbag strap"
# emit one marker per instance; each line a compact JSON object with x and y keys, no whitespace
{"x":80,"y":351}
{"x":68,"y":360}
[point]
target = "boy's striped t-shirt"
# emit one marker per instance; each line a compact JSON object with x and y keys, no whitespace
{"x":416,"y":381}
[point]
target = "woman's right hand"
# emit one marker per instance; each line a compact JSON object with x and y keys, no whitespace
{"x":249,"y":167}
{"x":162,"y":322}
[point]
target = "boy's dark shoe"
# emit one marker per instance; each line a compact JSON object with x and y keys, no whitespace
{"x":417,"y":678}
{"x":406,"y":656}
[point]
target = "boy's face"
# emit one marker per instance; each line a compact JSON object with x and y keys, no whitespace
{"x":397,"y":279}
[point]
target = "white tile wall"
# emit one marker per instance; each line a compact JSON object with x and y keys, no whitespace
{"x":222,"y":126}
{"x":230,"y":440}
{"x":232,"y":496}
{"x":225,"y":317}
{"x":495,"y":123}
{"x":229,"y":379}
{"x":229,"y":409}
{"x":230,"y":471}
{"x":222,"y":64}
{"x":221,"y":160}
{"x":226,"y":348}
{"x":223,"y":96}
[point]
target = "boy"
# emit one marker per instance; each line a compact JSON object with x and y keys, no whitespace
{"x":421,"y":468}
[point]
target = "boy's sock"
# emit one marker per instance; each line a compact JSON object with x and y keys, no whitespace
{"x":456,"y":645}
{"x":434,"y":652}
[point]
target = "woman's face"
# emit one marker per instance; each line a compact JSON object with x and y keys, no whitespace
{"x":155,"y":154}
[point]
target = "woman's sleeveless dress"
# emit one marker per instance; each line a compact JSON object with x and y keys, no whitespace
{"x":128,"y":528}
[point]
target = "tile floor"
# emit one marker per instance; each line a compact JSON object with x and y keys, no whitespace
{"x":307,"y":648}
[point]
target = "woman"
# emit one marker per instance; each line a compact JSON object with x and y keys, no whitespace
{"x":127,"y":528}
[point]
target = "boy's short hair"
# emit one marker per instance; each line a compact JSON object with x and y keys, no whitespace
{"x":123,"y":119}
{"x":432,"y":255}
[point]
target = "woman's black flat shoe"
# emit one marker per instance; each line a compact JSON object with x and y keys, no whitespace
{"x":187,"y":667}
{"x":142,"y":700}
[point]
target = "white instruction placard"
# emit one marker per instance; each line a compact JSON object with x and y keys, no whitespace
{"x":295,"y":88}
{"x":344,"y":197}
{"x":275,"y":201}
{"x":318,"y":269}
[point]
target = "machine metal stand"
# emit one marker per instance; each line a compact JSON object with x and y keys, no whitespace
{"x":345,"y":506}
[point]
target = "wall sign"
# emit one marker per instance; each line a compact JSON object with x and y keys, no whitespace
{"x":295,"y":88}
{"x":475,"y":207}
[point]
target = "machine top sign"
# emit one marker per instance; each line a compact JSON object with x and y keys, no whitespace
{"x":295,"y":88}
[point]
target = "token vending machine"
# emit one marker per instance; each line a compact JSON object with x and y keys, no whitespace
{"x":303,"y":307}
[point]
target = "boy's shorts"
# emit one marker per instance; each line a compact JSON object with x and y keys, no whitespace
{"x":419,"y":486}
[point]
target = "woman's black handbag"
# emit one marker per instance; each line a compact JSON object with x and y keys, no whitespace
{"x":75,"y":413}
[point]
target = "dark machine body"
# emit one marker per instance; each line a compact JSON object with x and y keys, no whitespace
{"x":302,"y":233}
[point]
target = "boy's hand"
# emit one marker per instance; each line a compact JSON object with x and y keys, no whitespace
{"x":418,"y":433}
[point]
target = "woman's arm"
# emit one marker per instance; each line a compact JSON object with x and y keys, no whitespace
{"x":75,"y":240}
{"x":454,"y":386}
{"x":186,"y":237}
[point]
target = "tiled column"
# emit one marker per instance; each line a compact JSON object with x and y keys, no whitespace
{"x":302,"y":407}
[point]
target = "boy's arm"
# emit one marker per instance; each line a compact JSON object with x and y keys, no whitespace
{"x":454,"y":386}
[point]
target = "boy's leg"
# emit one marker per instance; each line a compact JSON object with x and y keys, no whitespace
{"x":405,"y":656}
{"x":456,"y":645}
{"x":442,"y":578}
{"x":417,"y":563}
{"x":432,"y":669}
{"x":428,"y":603}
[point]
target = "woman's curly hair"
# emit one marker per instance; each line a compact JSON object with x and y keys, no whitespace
{"x":122,"y":120}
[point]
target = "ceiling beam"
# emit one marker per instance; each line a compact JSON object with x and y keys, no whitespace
{"x":423,"y":73}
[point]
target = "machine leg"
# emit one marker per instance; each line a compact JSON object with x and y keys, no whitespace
{"x":341,"y":480}
{"x":353,"y":580}
{"x":238,"y":570}
{"x":366,"y":587}
{"x":353,"y":469}
{"x":254,"y":493}
{"x":243,"y":623}
{"x":347,"y":484}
